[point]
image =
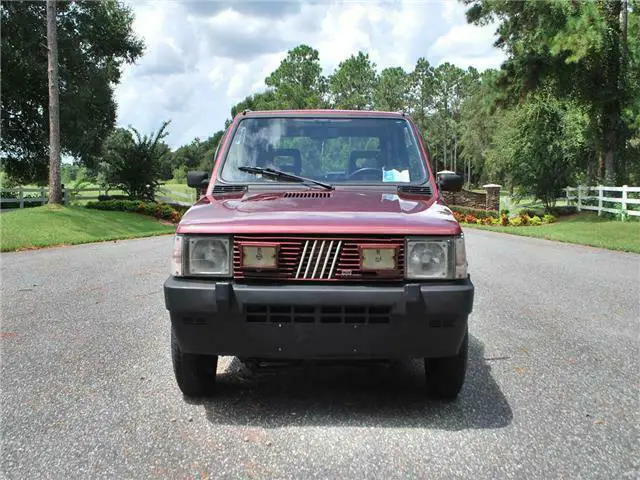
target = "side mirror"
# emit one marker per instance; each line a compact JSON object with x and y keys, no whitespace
{"x":450,"y":181}
{"x":197,"y":179}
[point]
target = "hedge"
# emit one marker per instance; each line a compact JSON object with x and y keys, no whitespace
{"x":556,"y":211}
{"x":476,"y":212}
{"x":158,"y":210}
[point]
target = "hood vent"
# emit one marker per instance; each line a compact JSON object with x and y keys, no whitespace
{"x":415,"y":189}
{"x":307,"y":195}
{"x":226,"y":189}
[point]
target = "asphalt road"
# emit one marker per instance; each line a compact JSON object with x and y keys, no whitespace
{"x":552,"y":391}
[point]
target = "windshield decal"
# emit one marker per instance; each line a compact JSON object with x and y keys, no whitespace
{"x":394,"y":175}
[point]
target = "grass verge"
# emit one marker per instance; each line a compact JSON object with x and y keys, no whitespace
{"x":583,"y":229}
{"x":51,"y":225}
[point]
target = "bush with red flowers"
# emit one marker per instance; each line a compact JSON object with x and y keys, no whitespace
{"x":487,"y":217}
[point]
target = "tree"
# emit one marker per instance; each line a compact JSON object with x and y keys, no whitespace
{"x":420,"y":98}
{"x":132,"y":162}
{"x":55,"y":190}
{"x":95,"y":39}
{"x":352,"y":84}
{"x":421,"y":86}
{"x":478,"y":123}
{"x":197,"y":155}
{"x":540,"y":145}
{"x":575,"y":46}
{"x":392,"y":90}
{"x":447,"y":87}
{"x":631,"y":111}
{"x":298,"y":82}
{"x":258,"y":101}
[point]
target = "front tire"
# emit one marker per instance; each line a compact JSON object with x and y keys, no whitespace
{"x":195,"y":374}
{"x":445,"y":376}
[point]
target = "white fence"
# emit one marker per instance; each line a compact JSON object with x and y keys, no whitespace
{"x":165,"y":194}
{"x":23,"y":195}
{"x":623,"y":202}
{"x":20,"y":197}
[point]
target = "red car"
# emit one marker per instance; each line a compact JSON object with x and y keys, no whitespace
{"x":320,"y":234}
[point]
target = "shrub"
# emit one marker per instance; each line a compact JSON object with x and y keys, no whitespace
{"x":535,"y":220}
{"x":515,"y":221}
{"x":548,"y":219}
{"x":563,"y":210}
{"x":152,"y":209}
{"x":132,"y":162}
{"x":532,"y":212}
{"x":524,"y":219}
{"x":476,"y":212}
{"x":504,"y":220}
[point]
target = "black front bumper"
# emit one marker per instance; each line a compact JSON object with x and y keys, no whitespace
{"x":319,"y":321}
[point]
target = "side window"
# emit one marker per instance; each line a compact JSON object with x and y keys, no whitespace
{"x":215,"y":154}
{"x":416,"y":168}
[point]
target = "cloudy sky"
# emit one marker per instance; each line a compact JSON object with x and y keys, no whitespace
{"x":202,"y":57}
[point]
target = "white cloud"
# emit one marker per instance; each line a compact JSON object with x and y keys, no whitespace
{"x":202,"y":57}
{"x":453,"y":11}
{"x":467,"y":45}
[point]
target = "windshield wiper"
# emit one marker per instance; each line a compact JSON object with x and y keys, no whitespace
{"x":280,"y":175}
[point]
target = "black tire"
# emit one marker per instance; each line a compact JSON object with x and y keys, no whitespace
{"x":195,"y":374}
{"x":445,"y":376}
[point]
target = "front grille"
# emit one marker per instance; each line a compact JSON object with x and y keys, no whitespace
{"x":302,"y":258}
{"x":300,"y":314}
{"x":194,"y":320}
{"x":443,"y":322}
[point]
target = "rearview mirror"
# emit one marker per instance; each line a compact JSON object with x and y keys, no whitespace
{"x":450,"y":181}
{"x":197,"y":179}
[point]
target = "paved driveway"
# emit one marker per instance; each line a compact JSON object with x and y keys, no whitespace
{"x":552,"y":391}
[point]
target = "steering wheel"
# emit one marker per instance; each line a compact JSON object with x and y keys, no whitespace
{"x":365,"y":170}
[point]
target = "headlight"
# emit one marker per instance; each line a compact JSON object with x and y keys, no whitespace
{"x":431,"y":258}
{"x":201,"y":256}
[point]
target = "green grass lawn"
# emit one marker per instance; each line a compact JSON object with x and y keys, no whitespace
{"x":51,"y":225}
{"x":584,"y":229}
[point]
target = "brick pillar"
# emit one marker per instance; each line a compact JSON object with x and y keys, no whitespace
{"x":493,"y":196}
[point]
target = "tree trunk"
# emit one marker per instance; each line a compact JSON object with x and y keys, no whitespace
{"x":600,"y":167}
{"x":55,"y":190}
{"x":592,"y":167}
{"x":624,"y":48}
{"x":469,"y":174}
{"x":611,"y":140}
{"x":612,"y":108}
{"x":444,"y":145}
{"x":624,"y":64}
{"x":609,"y":166}
{"x":455,"y":152}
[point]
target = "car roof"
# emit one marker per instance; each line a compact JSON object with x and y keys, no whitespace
{"x":323,"y":113}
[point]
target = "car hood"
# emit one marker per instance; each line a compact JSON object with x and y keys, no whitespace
{"x":352,"y":211}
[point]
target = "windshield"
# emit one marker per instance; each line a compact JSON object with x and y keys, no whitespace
{"x":334,"y":150}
